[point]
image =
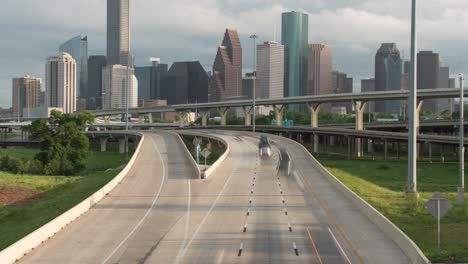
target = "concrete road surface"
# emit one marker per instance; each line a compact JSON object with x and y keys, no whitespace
{"x":250,"y":211}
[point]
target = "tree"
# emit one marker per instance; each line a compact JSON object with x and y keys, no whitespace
{"x":64,"y":148}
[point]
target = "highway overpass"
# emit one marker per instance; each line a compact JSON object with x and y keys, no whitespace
{"x":246,"y":212}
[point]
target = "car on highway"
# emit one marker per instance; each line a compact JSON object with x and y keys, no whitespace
{"x":264,"y":147}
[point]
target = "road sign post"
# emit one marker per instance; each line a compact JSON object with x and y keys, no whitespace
{"x":205,"y":153}
{"x":197,"y":143}
{"x":438,"y":206}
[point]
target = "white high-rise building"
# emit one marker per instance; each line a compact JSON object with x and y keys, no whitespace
{"x":61,"y":82}
{"x":114,"y":83}
{"x":270,"y":70}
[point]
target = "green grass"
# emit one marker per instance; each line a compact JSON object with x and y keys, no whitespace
{"x":382,"y":184}
{"x":57,"y":193}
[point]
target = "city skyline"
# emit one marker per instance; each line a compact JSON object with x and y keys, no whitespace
{"x":392,"y":25}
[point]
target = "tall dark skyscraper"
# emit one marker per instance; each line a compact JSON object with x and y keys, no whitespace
{"x":428,"y":75}
{"x":226,"y":81}
{"x":150,"y":80}
{"x":388,"y":71}
{"x":78,"y":48}
{"x":118,"y":31}
{"x":94,"y":91}
{"x":295,"y":38}
{"x":185,"y":82}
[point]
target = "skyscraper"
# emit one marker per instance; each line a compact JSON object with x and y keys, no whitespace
{"x":114,"y":85}
{"x":94,"y":92}
{"x":185,"y":82}
{"x":320,"y":70}
{"x":118,"y":32}
{"x":342,"y":84}
{"x":77,"y":47}
{"x":150,"y":80}
{"x":428,"y":75}
{"x":61,"y":82}
{"x":270,"y":70}
{"x":388,"y":71}
{"x":367,"y":86}
{"x":226,"y":81}
{"x":26,"y":94}
{"x":295,"y":37}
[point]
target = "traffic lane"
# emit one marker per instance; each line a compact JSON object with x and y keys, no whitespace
{"x":217,"y":233}
{"x":169,"y":209}
{"x":356,"y":234}
{"x":102,"y":228}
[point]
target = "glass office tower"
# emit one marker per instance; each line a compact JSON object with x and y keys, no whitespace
{"x":77,"y":47}
{"x":295,"y":37}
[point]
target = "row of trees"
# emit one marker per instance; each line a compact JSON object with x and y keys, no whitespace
{"x":64,"y":149}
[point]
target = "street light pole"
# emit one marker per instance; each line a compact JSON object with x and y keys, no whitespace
{"x":413,"y":129}
{"x":254,"y":38}
{"x":461,"y":188}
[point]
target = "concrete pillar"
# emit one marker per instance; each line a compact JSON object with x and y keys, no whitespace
{"x":370,"y":146}
{"x":359,"y":109}
{"x":418,"y":111}
{"x":248,"y":115}
{"x":314,"y":111}
{"x":279,"y":110}
{"x":332,"y":141}
{"x":182,"y":120}
{"x":103,"y":142}
{"x":122,"y":145}
{"x":141,"y":119}
{"x":316,"y":143}
{"x":204,"y":119}
{"x":150,"y":118}
{"x":223,"y":112}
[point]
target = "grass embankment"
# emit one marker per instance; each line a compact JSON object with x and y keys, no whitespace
{"x":46,"y":197}
{"x":382,"y":184}
{"x":217,"y":148}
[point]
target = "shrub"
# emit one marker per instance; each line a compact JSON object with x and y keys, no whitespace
{"x":4,"y":163}
{"x":15,"y":166}
{"x":383,"y":167}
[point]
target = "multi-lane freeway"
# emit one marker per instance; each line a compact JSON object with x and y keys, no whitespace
{"x":248,"y":211}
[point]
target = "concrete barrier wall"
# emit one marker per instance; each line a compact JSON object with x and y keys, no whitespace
{"x":220,"y":160}
{"x":408,"y":246}
{"x":187,"y":152}
{"x":33,"y":240}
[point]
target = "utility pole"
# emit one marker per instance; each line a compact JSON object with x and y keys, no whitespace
{"x":461,"y":188}
{"x":128,"y":82}
{"x":254,"y":38}
{"x":413,"y":129}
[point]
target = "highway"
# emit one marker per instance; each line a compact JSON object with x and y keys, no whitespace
{"x":247,"y":212}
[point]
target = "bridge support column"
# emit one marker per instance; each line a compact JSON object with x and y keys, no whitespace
{"x":398,"y":150}
{"x":122,"y":145}
{"x":359,"y":109}
{"x":141,"y":119}
{"x":418,"y":112}
{"x":103,"y":142}
{"x":314,"y":111}
{"x":182,"y":119}
{"x":223,"y":112}
{"x":248,"y":115}
{"x":150,"y":118}
{"x":279,"y":111}
{"x":349,"y":148}
{"x":204,"y":119}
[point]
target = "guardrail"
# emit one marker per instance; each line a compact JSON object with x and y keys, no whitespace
{"x":206,"y":174}
{"x":19,"y":249}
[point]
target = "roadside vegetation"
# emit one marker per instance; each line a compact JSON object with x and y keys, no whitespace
{"x":215,"y":147}
{"x":382,"y":184}
{"x":37,"y":185}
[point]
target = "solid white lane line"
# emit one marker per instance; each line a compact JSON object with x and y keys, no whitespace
{"x":187,"y":224}
{"x":206,"y":215}
{"x":339,"y":246}
{"x":147,"y":212}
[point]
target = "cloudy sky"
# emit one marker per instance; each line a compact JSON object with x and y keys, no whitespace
{"x":180,"y":30}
